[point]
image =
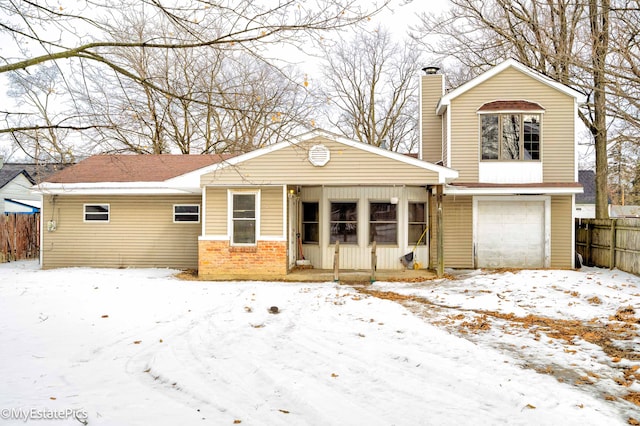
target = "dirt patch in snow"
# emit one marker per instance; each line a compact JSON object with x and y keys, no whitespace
{"x":608,"y":333}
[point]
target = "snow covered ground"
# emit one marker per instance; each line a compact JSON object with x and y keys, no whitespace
{"x":141,"y":347}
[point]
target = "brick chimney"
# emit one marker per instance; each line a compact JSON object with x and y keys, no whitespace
{"x":431,"y":90}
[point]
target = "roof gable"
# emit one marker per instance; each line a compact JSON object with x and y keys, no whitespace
{"x":351,"y":163}
{"x":9,"y":172}
{"x":445,"y":101}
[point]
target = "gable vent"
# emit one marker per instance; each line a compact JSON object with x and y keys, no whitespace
{"x":319,"y":155}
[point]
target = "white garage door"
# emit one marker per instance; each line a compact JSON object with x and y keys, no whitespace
{"x":510,"y":234}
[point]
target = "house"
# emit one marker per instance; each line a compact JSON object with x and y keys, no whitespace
{"x":240,"y":216}
{"x":16,"y":180}
{"x":511,"y":135}
{"x":123,"y":210}
{"x":15,"y":184}
{"x":15,"y":189}
{"x":493,"y":186}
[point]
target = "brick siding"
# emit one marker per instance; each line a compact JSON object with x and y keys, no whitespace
{"x":218,"y":260}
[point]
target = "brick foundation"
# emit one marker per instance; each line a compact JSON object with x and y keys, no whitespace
{"x":218,"y":260}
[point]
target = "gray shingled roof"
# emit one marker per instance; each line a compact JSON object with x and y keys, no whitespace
{"x":588,"y":180}
{"x":8,"y":172}
{"x":36,"y":173}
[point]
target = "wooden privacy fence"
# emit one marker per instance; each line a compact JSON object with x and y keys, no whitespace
{"x":19,"y":237}
{"x":610,"y":243}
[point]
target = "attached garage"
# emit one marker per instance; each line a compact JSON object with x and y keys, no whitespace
{"x":512,"y":232}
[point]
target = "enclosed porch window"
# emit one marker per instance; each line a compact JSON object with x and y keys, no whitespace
{"x":344,"y":223}
{"x":417,"y":223}
{"x":383,"y":223}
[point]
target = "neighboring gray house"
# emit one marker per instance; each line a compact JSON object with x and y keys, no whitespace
{"x":16,"y":180}
{"x":585,"y":207}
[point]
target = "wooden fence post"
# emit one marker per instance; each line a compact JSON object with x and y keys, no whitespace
{"x":19,"y":237}
{"x":374,"y":262}
{"x":612,"y":245}
{"x":336,"y":263}
{"x":587,"y":249}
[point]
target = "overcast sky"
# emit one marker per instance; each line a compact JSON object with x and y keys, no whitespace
{"x":398,"y":17}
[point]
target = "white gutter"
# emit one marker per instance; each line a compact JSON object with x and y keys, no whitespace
{"x":457,"y":190}
{"x":114,"y":188}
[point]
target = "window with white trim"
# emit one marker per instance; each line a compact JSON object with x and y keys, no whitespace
{"x":510,"y":136}
{"x":310,"y":222}
{"x":96,"y":212}
{"x":417,"y":223}
{"x":343,"y":224}
{"x":186,"y":213}
{"x":383,"y":223}
{"x":243,"y":218}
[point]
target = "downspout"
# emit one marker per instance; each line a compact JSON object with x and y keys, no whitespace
{"x":439,"y":220}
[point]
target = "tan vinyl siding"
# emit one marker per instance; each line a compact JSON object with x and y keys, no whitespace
{"x":445,"y":147}
{"x":216,"y":211}
{"x":290,"y":165}
{"x":458,"y":231}
{"x":431,"y":92}
{"x":558,"y":123}
{"x":271,"y":212}
{"x":216,"y":214}
{"x":140,"y":233}
{"x":561,"y":231}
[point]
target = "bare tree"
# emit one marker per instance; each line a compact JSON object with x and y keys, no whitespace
{"x":79,"y":36}
{"x":371,"y":83}
{"x":263,"y":105}
{"x":37,"y":98}
{"x":565,"y":39}
{"x":233,"y":103}
{"x":597,"y":122}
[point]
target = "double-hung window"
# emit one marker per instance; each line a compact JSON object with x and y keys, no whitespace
{"x":510,"y":136}
{"x":383,"y":223}
{"x":243,"y":218}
